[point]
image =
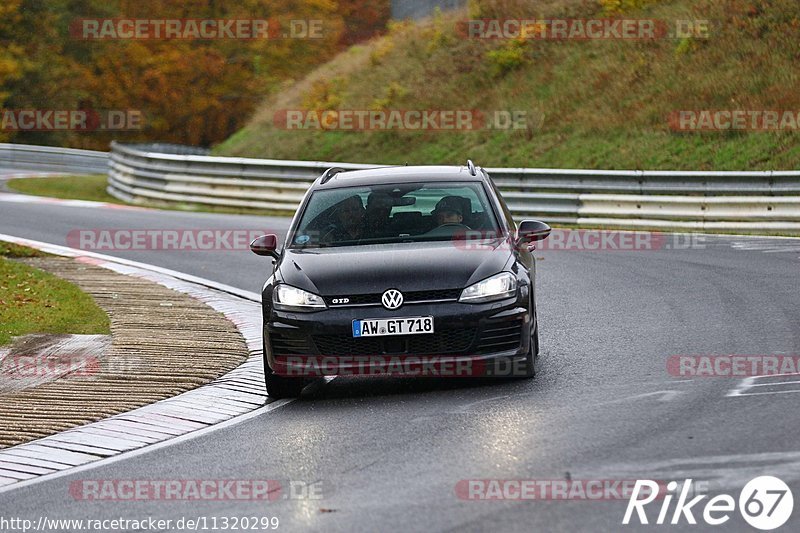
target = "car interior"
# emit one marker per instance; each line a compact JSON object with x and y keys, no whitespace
{"x":403,"y":222}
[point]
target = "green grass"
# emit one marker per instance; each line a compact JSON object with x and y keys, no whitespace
{"x":93,"y":188}
{"x":591,"y":104}
{"x":33,"y":301}
{"x":12,"y":250}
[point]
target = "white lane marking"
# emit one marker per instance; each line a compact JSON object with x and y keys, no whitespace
{"x":11,"y":175}
{"x":721,"y":471}
{"x":749,"y":383}
{"x":663,"y":396}
{"x":15,"y":198}
{"x":194,"y":413}
{"x":768,"y":245}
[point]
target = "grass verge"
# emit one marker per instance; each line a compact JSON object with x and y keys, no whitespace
{"x":33,"y":301}
{"x":596,"y":104}
{"x":93,"y":188}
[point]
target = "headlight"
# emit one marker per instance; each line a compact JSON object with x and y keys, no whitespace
{"x":497,"y":287}
{"x":288,"y":298}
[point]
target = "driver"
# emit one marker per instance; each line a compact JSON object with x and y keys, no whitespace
{"x":448,"y":211}
{"x":348,"y":222}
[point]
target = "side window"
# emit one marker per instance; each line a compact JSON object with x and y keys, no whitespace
{"x":506,"y":213}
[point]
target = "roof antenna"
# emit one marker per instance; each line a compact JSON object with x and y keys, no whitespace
{"x":471,"y":167}
{"x":406,"y":163}
{"x":328,"y":174}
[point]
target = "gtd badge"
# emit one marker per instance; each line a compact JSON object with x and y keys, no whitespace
{"x":340,"y":301}
{"x":392,"y":299}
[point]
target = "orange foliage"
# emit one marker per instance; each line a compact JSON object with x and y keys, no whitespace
{"x":194,"y":91}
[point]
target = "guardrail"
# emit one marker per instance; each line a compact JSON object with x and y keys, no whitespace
{"x":138,"y":173}
{"x":53,"y":159}
{"x":732,"y":201}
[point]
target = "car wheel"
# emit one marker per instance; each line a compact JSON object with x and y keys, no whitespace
{"x":279,"y":387}
{"x":529,"y":366}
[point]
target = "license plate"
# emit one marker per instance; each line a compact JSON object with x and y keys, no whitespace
{"x":392,"y":326}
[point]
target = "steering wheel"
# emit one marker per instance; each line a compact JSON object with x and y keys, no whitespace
{"x":448,"y":230}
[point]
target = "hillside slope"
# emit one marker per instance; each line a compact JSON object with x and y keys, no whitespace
{"x":588,"y":103}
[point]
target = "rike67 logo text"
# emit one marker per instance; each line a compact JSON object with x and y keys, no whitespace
{"x":766,"y":503}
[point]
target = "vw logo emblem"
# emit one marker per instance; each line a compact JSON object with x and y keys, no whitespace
{"x":392,"y":299}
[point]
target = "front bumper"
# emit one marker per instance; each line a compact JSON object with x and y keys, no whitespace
{"x":468,"y":340}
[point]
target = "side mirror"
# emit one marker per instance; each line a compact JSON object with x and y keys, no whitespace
{"x":266,"y":245}
{"x":531,"y":231}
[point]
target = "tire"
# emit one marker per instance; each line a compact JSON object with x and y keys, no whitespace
{"x":529,"y":366}
{"x":279,"y":387}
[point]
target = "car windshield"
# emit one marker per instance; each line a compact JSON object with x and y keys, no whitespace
{"x":405,"y":212}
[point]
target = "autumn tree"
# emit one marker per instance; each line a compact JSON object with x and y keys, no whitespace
{"x":191,"y":91}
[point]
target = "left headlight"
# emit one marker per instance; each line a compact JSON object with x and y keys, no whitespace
{"x":498,"y":287}
{"x":288,"y":298}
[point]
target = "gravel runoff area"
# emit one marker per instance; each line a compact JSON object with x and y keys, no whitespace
{"x":163,"y":343}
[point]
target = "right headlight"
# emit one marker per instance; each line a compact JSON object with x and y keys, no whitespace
{"x":498,"y":287}
{"x":288,"y":298}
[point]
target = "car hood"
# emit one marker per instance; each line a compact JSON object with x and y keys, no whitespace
{"x":407,"y":267}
